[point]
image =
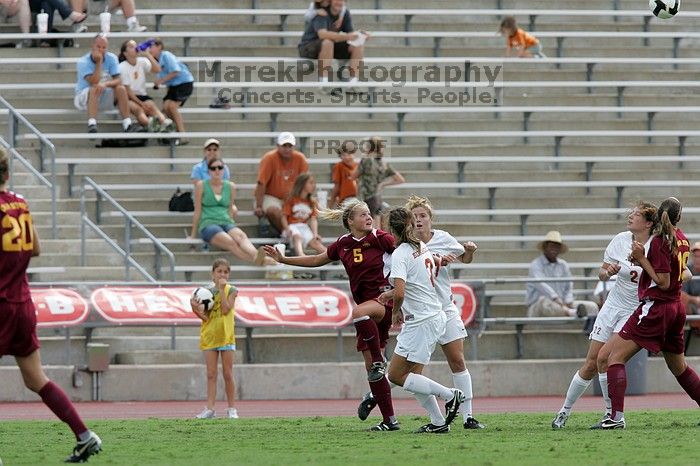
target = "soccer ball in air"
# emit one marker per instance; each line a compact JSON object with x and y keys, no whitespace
{"x":664,"y":9}
{"x":204,"y":297}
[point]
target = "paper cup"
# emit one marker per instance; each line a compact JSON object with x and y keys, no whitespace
{"x":42,"y":23}
{"x":105,"y":21}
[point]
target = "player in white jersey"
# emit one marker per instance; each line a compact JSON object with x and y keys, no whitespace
{"x":417,"y":307}
{"x":619,"y":305}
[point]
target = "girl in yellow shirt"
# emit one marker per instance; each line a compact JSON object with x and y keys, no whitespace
{"x":217,"y":337}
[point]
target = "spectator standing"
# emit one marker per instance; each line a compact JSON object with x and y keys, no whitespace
{"x":180,"y":82}
{"x":657,"y":324}
{"x":344,"y":183}
{"x":373,"y":174}
{"x":277,"y":172}
{"x":551,"y":299}
{"x":323,"y":40}
{"x":133,"y":69}
{"x":99,"y":86}
{"x":18,"y":323}
{"x":212,"y":151}
{"x":217,"y":337}
{"x":299,"y":222}
{"x":518,"y":41}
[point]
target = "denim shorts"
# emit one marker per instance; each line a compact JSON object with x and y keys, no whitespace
{"x":207,"y":233}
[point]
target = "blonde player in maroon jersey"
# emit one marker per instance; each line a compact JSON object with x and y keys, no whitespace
{"x":18,"y":243}
{"x":657,"y":324}
{"x":363,"y":252}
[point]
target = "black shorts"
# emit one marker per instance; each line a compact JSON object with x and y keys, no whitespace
{"x":341,"y":50}
{"x":144,"y":98}
{"x":179,"y":93}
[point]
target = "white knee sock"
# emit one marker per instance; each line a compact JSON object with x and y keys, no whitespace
{"x":416,"y":383}
{"x":429,"y":402}
{"x":603,"y":379}
{"x":576,"y":388}
{"x":463,"y":381}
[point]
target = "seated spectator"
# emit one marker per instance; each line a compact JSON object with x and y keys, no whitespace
{"x":344,"y":183}
{"x":519,"y":42}
{"x":180,"y":82}
{"x":99,"y":86}
{"x":321,"y":9}
{"x":323,"y":40}
{"x":299,"y":223}
{"x":212,"y":151}
{"x":19,"y":10}
{"x":77,"y":17}
{"x":277,"y":173}
{"x":133,"y":67}
{"x":551,"y":299}
{"x":127,"y":6}
{"x":690,"y":293}
{"x":373,"y":175}
{"x":214,"y":209}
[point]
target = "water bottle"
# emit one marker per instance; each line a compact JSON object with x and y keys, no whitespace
{"x":143,"y":46}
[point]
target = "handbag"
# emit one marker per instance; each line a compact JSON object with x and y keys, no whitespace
{"x":181,"y":201}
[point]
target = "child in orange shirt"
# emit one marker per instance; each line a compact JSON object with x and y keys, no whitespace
{"x":299,"y":220}
{"x":345,"y":185}
{"x":525,"y":44}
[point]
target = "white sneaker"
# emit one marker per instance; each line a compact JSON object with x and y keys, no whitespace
{"x":136,"y":27}
{"x":206,"y":414}
{"x":232,"y":413}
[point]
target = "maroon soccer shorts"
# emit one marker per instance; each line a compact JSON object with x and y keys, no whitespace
{"x":384,"y":325}
{"x":18,"y":329}
{"x":657,"y":326}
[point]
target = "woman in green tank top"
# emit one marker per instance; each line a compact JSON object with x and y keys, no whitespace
{"x":214,"y":209}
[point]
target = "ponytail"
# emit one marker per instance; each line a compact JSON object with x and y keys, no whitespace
{"x":403,"y":228}
{"x":668,"y":216}
{"x":343,"y":213}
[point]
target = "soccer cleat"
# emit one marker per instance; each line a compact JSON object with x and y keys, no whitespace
{"x":433,"y":429}
{"x":232,"y":413}
{"x":366,"y":406}
{"x":452,"y":406}
{"x":167,"y":126}
{"x":610,"y":423}
{"x":133,"y":128}
{"x":376,"y":371}
{"x":384,"y":427}
{"x":206,"y":414}
{"x":560,"y":420}
{"x":599,"y":424}
{"x":83,"y":450}
{"x":472,"y":423}
{"x":136,"y":27}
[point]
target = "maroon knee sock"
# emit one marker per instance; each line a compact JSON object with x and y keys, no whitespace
{"x":368,"y":331}
{"x":690,"y":382}
{"x":55,"y":398}
{"x":617,"y":384}
{"x":381,"y":390}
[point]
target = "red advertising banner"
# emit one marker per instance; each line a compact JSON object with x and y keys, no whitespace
{"x":300,"y":306}
{"x":466,"y":301}
{"x":58,"y":307}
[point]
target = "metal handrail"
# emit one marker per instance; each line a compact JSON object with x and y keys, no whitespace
{"x":14,"y":118}
{"x":130,"y":221}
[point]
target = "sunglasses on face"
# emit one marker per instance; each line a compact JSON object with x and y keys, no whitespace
{"x":216,"y":167}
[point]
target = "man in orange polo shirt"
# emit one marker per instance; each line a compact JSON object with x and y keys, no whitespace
{"x":278,"y":170}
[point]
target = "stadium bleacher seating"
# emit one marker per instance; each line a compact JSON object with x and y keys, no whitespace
{"x":609,"y":118}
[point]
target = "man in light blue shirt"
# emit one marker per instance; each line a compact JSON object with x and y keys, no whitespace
{"x":556,"y":298}
{"x":179,"y":80}
{"x":200,"y":171}
{"x":99,"y":86}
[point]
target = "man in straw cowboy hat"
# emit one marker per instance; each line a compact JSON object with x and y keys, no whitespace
{"x":551,"y":299}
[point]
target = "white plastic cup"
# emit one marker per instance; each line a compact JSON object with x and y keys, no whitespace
{"x":281,"y":247}
{"x":322,"y":199}
{"x":42,"y":22}
{"x":105,"y":21}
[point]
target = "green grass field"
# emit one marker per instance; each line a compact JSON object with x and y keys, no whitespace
{"x":653,"y":437}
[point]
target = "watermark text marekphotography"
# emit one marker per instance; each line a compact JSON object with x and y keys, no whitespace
{"x":296,"y":82}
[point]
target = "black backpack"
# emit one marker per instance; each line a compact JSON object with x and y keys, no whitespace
{"x":181,"y":202}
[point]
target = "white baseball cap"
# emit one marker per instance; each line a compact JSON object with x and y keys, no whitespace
{"x":211,"y":141}
{"x":286,"y":138}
